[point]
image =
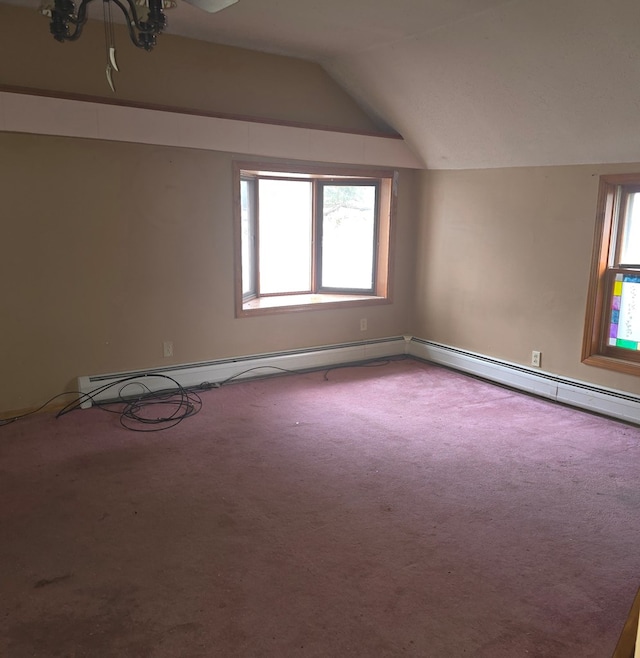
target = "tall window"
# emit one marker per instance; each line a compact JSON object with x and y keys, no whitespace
{"x":310,"y":236}
{"x":612,"y":328}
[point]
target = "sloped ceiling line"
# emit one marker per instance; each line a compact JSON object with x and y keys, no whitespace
{"x":468,"y":83}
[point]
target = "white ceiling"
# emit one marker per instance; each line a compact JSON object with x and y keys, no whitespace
{"x":468,"y":83}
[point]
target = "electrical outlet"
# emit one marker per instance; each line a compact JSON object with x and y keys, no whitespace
{"x":167,"y":347}
{"x":536,"y":358}
{"x":363,"y":324}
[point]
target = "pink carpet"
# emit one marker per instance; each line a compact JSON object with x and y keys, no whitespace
{"x":403,"y":510}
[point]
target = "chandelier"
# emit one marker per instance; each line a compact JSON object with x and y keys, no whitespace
{"x":144,"y":19}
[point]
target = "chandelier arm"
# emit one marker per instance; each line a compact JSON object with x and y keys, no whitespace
{"x":148,"y":30}
{"x":81,"y":17}
{"x":61,"y":16}
{"x":132,"y":15}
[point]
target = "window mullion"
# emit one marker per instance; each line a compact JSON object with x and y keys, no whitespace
{"x":316,"y":261}
{"x":250,"y":290}
{"x":376,"y":238}
{"x":256,"y":237}
{"x":621,"y":205}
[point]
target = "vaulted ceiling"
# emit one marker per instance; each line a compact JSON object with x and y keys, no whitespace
{"x":468,"y":83}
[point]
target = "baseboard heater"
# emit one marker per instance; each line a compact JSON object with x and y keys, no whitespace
{"x":213,"y":372}
{"x":609,"y":402}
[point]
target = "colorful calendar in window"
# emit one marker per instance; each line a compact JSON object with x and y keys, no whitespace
{"x":624,"y":329}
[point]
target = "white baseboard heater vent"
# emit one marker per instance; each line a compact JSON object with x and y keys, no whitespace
{"x":609,"y":402}
{"x":256,"y":365}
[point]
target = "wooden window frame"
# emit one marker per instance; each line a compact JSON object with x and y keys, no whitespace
{"x":611,"y":207}
{"x":318,"y":232}
{"x":320,"y":298}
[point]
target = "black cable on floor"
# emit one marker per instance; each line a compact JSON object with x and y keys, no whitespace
{"x":13,"y":419}
{"x":372,"y":363}
{"x":133,"y":409}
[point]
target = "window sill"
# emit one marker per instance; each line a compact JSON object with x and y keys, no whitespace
{"x":611,"y":363}
{"x":306,"y":302}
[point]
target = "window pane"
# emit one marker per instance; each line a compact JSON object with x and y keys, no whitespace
{"x":348,"y":231}
{"x":624,"y":328}
{"x":247,"y":237}
{"x":285,"y":236}
{"x":630,"y":252}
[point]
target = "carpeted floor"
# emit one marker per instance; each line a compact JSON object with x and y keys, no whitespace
{"x":402,"y":510}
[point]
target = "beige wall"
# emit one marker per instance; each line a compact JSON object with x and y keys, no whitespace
{"x":110,"y":248}
{"x":179,"y":72}
{"x":503,"y":264}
